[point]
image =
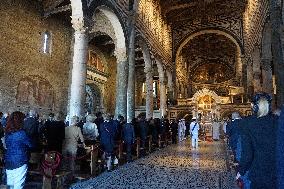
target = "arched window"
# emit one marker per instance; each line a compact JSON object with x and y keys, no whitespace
{"x":46,"y":48}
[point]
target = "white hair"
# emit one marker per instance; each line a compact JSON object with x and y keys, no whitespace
{"x":74,"y":120}
{"x":32,"y":113}
{"x":235,"y":115}
{"x":263,"y":106}
{"x":90,"y":118}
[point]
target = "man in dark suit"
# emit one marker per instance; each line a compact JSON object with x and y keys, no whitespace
{"x":128,"y":138}
{"x":258,"y":144}
{"x":31,"y":126}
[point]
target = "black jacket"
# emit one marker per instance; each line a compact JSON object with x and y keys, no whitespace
{"x":31,"y":127}
{"x":258,"y":155}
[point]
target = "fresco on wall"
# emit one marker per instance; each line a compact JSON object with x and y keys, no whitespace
{"x":93,"y":99}
{"x":35,"y":91}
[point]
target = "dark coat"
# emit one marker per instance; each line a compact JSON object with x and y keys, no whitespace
{"x":98,"y":122}
{"x":55,"y":134}
{"x":18,"y":144}
{"x":31,"y":126}
{"x":143,"y":129}
{"x":108,"y":132}
{"x":128,"y":133}
{"x":258,"y":155}
{"x":174,"y":128}
{"x":233,"y":131}
{"x":162,"y":127}
{"x":280,"y":151}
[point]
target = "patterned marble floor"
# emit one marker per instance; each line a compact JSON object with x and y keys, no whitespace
{"x":174,"y":167}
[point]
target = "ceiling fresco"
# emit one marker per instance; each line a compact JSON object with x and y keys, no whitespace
{"x":180,"y":10}
{"x":210,"y":58}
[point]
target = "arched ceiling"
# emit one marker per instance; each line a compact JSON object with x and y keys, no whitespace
{"x":210,"y":58}
{"x":180,"y":10}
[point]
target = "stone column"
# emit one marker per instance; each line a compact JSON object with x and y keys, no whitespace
{"x":244,"y":79}
{"x":121,"y":82}
{"x":267,"y":76}
{"x":149,"y":80}
{"x":239,"y":67}
{"x":131,"y":70}
{"x":256,"y":70}
{"x":250,"y":87}
{"x":163,"y":96}
{"x":79,"y":68}
{"x":170,"y":85}
{"x":277,"y":51}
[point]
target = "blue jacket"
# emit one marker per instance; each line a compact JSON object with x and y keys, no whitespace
{"x":108,"y":132}
{"x":17,"y":144}
{"x":128,"y":133}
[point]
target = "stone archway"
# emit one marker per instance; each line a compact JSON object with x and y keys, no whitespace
{"x":106,"y":21}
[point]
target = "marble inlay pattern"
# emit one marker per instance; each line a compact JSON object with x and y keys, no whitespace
{"x":172,"y":168}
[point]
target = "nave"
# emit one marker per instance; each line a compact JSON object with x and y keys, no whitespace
{"x":173,"y":167}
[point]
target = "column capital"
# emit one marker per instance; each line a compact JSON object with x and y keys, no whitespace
{"x":120,"y":54}
{"x":78,"y":24}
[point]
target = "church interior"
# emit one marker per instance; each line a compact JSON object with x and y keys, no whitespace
{"x":164,"y":59}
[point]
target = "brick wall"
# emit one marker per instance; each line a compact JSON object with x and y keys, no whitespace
{"x":29,"y":78}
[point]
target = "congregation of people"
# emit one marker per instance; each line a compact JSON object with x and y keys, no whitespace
{"x":24,"y":134}
{"x":256,"y":141}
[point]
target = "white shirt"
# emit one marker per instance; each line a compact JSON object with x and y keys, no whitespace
{"x":196,"y":128}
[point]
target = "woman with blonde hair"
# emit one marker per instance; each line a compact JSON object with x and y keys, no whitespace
{"x":258,"y":144}
{"x":70,"y":144}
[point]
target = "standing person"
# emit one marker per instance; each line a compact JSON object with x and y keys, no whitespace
{"x":90,"y":130}
{"x":54,"y":133}
{"x":17,"y":147}
{"x":180,"y":131}
{"x":183,"y":129}
{"x":31,"y":126}
{"x":70,"y":144}
{"x":258,"y":144}
{"x":128,"y":138}
{"x":107,"y":139}
{"x":143,"y":131}
{"x":194,"y":127}
{"x":174,"y":129}
{"x":216,"y":130}
{"x":98,"y":121}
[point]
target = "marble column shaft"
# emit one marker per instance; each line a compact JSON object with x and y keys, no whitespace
{"x":131,"y":72}
{"x":79,"y":73}
{"x":121,"y":83}
{"x":170,"y":85}
{"x":249,"y":78}
{"x":256,"y":70}
{"x":149,"y":80}
{"x":277,"y":51}
{"x":163,"y":96}
{"x":267,"y":76}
